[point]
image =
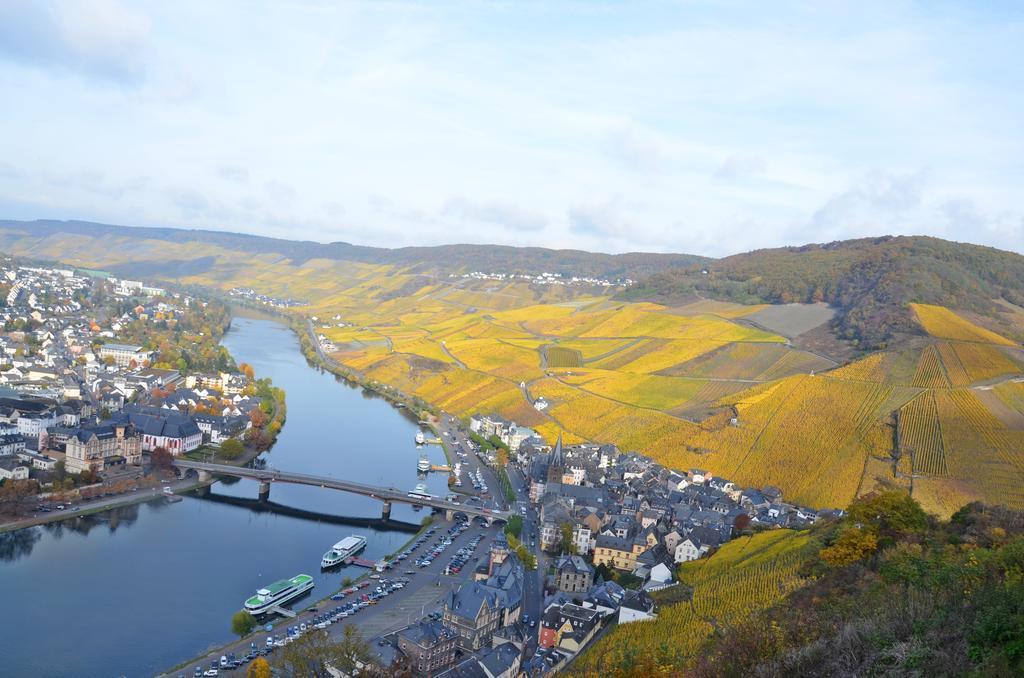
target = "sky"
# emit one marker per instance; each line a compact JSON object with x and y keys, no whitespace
{"x":705,"y":128}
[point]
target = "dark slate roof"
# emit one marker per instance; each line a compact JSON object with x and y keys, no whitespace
{"x":575,"y":564}
{"x":426,"y":633}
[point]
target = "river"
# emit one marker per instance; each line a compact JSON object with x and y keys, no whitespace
{"x":135,"y":591}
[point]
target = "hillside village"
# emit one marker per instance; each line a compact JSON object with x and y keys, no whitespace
{"x":617,"y":526}
{"x":79,"y":407}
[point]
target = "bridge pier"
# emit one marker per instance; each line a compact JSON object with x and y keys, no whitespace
{"x":449,"y":515}
{"x":264,"y":494}
{"x":385,"y":512}
{"x":205,"y":476}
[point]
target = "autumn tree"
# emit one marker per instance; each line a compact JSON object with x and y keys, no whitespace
{"x":853,"y":545}
{"x":259,"y":668}
{"x":161,"y":458}
{"x":14,"y":492}
{"x":246,"y":369}
{"x":311,"y":653}
{"x":258,"y":418}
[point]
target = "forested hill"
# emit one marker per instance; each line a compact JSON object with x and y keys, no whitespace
{"x":870,"y":281}
{"x":448,"y":258}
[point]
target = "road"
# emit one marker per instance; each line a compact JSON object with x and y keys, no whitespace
{"x":385,"y":494}
{"x":423,"y":595}
{"x":454,"y":437}
{"x":89,"y":506}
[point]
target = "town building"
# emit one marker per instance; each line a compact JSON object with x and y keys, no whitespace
{"x":573,"y":574}
{"x":97,"y":448}
{"x":430,"y":647}
{"x":123,"y":355}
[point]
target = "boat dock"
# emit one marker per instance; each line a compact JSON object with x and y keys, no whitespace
{"x":283,"y":612}
{"x":443,"y":468}
{"x":361,"y":562}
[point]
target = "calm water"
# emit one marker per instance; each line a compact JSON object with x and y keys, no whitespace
{"x":135,"y":591}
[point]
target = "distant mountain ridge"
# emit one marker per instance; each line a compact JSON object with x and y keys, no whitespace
{"x":870,"y":280}
{"x":487,"y":258}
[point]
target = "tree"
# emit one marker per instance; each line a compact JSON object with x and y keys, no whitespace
{"x":741,"y":523}
{"x":854,"y":544}
{"x":257,"y":417}
{"x":514,"y":526}
{"x":887,"y":513}
{"x":568,"y":546}
{"x":242,"y":623}
{"x":13,"y":492}
{"x":231,"y":448}
{"x":258,"y":669}
{"x":246,"y":369}
{"x":161,"y":458}
{"x":312,"y":652}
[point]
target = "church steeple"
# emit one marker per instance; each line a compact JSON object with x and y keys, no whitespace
{"x":556,"y":465}
{"x":556,"y":456}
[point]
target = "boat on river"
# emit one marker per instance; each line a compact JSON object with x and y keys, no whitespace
{"x":347,"y":547}
{"x":420,"y":438}
{"x":423,"y":465}
{"x":420,"y":492}
{"x":278,"y":593}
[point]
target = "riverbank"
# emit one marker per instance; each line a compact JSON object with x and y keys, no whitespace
{"x":260,"y":631}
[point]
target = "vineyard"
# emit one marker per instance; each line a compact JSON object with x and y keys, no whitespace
{"x":920,"y":437}
{"x":561,"y":356}
{"x":689,"y":385}
{"x":943,"y":323}
{"x":745,"y":575}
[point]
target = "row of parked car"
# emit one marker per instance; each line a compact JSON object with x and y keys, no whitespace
{"x":435,"y":550}
{"x":420,"y":541}
{"x":462,"y":556}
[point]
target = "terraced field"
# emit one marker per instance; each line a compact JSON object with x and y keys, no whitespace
{"x":746,"y":574}
{"x":693,"y":385}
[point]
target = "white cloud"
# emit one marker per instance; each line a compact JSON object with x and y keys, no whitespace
{"x":101,"y":38}
{"x":684,"y":127}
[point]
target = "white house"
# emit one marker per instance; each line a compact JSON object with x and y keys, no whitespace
{"x":688,"y":549}
{"x":12,"y":468}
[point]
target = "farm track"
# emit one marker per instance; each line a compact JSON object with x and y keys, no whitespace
{"x":444,"y":349}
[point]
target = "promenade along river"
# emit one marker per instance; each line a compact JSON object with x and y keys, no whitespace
{"x":136,"y":591}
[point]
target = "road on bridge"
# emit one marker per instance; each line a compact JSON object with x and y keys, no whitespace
{"x":385,"y":494}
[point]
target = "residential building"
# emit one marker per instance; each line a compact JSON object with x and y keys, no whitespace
{"x":617,"y":552}
{"x":12,"y":468}
{"x":568,"y":627}
{"x":99,"y":447}
{"x":123,"y":355}
{"x":573,"y":574}
{"x":429,"y":645}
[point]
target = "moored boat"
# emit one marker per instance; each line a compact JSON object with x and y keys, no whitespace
{"x":347,"y":547}
{"x":278,"y":593}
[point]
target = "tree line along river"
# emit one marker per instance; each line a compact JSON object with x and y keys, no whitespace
{"x":139,"y":589}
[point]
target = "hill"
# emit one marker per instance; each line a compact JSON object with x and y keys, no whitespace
{"x":443,"y":258}
{"x":885,"y":591}
{"x":869,"y":282}
{"x":736,"y":389}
